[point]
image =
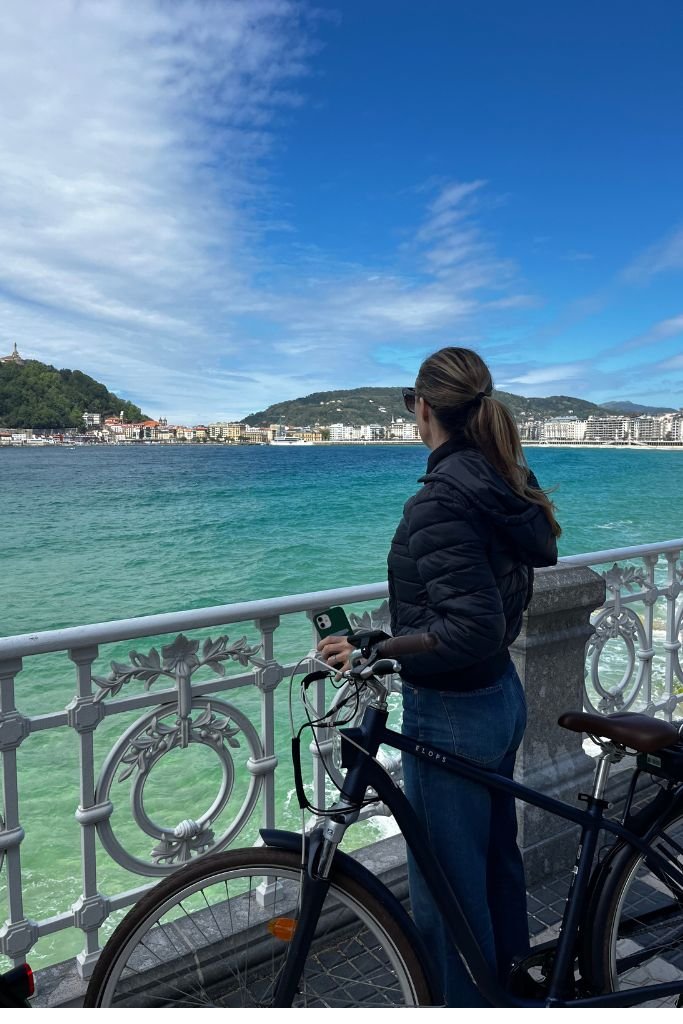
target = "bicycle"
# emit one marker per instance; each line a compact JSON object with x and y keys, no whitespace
{"x":297,"y":922}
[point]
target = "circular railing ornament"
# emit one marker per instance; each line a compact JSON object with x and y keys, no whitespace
{"x":219,"y":726}
{"x":623,"y":625}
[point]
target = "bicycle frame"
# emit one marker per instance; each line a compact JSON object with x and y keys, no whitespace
{"x":359,"y":748}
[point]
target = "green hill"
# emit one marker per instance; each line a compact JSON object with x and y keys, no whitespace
{"x":34,"y":394}
{"x":633,"y":409}
{"x":377,"y":405}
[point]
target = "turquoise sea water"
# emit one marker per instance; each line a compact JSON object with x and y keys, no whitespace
{"x":110,"y":532}
{"x":90,"y":534}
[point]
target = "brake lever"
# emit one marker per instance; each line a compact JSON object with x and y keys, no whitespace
{"x":381,"y":667}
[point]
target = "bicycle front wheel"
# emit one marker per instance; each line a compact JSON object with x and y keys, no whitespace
{"x":216,"y":933}
{"x":637,"y":921}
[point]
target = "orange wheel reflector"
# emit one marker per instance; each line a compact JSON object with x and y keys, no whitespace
{"x":282,"y":928}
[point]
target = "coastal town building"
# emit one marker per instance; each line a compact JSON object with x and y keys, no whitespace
{"x":349,"y":432}
{"x":225,"y":431}
{"x":606,"y":428}
{"x":616,"y":430}
{"x":530,"y":429}
{"x":563,"y":428}
{"x":256,"y":435}
{"x":404,"y":430}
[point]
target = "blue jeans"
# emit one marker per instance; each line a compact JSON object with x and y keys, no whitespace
{"x":471,"y":829}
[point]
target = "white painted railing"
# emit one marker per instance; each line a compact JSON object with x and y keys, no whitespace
{"x":633,"y":659}
{"x":219,"y":696}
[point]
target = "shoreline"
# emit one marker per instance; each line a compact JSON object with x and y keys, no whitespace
{"x":608,"y":446}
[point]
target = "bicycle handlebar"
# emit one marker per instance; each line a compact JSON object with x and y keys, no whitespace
{"x":396,"y":646}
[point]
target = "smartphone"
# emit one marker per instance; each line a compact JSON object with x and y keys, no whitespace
{"x":332,"y":622}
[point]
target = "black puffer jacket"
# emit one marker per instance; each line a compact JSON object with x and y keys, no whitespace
{"x":460,"y":566}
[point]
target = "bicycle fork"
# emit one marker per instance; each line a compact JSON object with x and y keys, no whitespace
{"x":321,"y":847}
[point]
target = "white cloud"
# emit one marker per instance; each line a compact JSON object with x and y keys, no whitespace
{"x":135,"y":155}
{"x":665,"y":255}
{"x":661,"y":331}
{"x":548,"y":374}
{"x":675,"y":363}
{"x":115,"y":230}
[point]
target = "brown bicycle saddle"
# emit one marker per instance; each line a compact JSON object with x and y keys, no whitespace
{"x":640,"y":732}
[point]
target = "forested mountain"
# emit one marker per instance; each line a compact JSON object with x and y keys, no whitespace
{"x":378,"y":405}
{"x":634,"y":409}
{"x":33,"y":394}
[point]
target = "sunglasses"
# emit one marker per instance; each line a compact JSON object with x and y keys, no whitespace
{"x":409,"y":396}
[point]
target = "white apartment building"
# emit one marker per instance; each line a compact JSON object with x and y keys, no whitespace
{"x":404,"y":430}
{"x":648,"y":428}
{"x":345,"y":432}
{"x":602,"y":429}
{"x":531,"y":430}
{"x":563,"y":428}
{"x":225,"y":431}
{"x":254,"y":434}
{"x":675,"y":426}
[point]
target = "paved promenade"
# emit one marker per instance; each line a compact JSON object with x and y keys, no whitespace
{"x":60,"y":986}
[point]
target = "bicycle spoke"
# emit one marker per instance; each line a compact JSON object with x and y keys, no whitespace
{"x":208,"y":942}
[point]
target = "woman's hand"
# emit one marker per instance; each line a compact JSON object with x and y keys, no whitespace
{"x":336,"y":651}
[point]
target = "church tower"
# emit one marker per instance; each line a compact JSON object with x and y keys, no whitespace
{"x":14,"y":357}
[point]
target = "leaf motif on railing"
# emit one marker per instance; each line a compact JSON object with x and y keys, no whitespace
{"x":181,"y":656}
{"x":209,"y":728}
{"x":178,"y":659}
{"x":148,"y":665}
{"x":378,"y":618}
{"x":214,"y":730}
{"x":628,"y":576}
{"x":157,"y":739}
{"x":613,"y":627}
{"x":611,"y":704}
{"x":111,"y":685}
{"x":189,"y":838}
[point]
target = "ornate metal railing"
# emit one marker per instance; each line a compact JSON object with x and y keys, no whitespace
{"x":182,"y":695}
{"x":633,"y":660}
{"x":217,"y":695}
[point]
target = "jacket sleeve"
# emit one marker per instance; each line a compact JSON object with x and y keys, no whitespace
{"x":463,"y":608}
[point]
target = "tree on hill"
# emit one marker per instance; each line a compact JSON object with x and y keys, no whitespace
{"x":38,"y":395}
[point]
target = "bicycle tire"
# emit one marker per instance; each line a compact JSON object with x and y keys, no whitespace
{"x":636,"y":930}
{"x":360,"y":956}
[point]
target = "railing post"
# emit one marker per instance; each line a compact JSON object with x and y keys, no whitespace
{"x":267,"y":680}
{"x":18,"y":934}
{"x":84,"y":715}
{"x":550,"y":657}
{"x":320,"y":746}
{"x":674,"y":621}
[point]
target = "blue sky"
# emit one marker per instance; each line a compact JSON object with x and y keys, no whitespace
{"x":212,"y":206}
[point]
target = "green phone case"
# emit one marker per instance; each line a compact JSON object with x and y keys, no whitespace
{"x":331,"y":622}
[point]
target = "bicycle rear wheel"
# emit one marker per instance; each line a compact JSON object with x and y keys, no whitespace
{"x":636,"y":937}
{"x":215,"y":933}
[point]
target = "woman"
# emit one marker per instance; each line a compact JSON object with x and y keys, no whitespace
{"x":461,"y":567}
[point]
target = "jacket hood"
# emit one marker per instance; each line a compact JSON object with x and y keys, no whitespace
{"x":524,"y":524}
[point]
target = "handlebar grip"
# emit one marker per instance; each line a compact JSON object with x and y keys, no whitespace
{"x":396,"y":646}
